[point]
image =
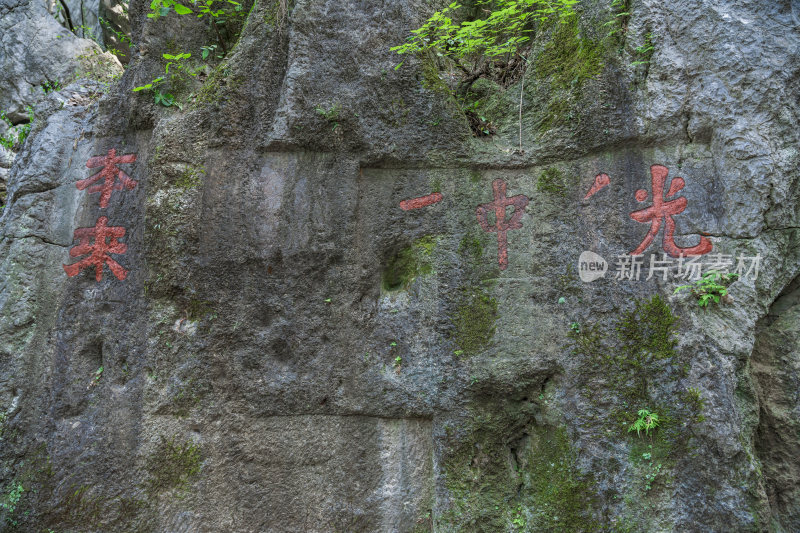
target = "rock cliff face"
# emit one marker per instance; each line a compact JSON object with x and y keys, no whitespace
{"x":274,"y":344}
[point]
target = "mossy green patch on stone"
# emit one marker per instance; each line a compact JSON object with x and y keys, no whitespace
{"x":649,"y":328}
{"x":471,"y":246}
{"x":551,"y":180}
{"x":173,"y":465}
{"x":410,"y":263}
{"x":276,"y":12}
{"x":191,"y":178}
{"x":431,"y":80}
{"x":645,"y":336}
{"x":510,"y":474}
{"x":199,"y":309}
{"x":559,"y":496}
{"x":474,"y":320}
{"x":567,"y":61}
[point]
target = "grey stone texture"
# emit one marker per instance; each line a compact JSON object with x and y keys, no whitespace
{"x":291,"y":351}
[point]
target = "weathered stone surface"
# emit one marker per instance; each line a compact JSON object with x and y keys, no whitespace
{"x":116,"y":28}
{"x":292,"y":351}
{"x":35,"y":49}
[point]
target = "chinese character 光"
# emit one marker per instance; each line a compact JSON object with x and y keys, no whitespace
{"x":109,"y":175}
{"x":501,"y":227}
{"x":664,"y":210}
{"x":98,"y":252}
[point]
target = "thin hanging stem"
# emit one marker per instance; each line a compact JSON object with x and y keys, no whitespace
{"x":521,"y":93}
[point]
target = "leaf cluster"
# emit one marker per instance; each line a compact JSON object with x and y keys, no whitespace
{"x":646,"y":421}
{"x":20,"y":132}
{"x":711,"y":287}
{"x":503,"y":31}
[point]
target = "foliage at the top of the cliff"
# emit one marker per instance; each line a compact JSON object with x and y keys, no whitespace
{"x":508,"y":24}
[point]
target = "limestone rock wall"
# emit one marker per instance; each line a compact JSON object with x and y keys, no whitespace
{"x":286,"y":349}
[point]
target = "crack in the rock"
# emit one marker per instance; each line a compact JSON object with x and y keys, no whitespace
{"x":43,"y":239}
{"x":25,"y":192}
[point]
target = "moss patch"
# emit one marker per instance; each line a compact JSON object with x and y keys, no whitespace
{"x":191,"y":178}
{"x":474,"y":320}
{"x":645,"y":337}
{"x":509,"y":474}
{"x":173,"y":464}
{"x":409,"y":263}
{"x":565,"y":63}
{"x":551,"y":180}
{"x":559,"y":496}
{"x":471,"y":246}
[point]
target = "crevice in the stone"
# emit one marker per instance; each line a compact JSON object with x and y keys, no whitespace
{"x":775,"y":368}
{"x":42,"y":239}
{"x":67,"y":17}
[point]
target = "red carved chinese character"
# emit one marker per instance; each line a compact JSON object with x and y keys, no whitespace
{"x":109,"y":175}
{"x":501,"y":227}
{"x":664,"y":210}
{"x":99,"y":250}
{"x":600,"y":181}
{"x":422,"y":201}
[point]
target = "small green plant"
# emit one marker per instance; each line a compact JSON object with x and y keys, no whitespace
{"x":10,"y":502}
{"x":178,"y":61}
{"x":20,"y":132}
{"x":123,"y":38}
{"x":652,"y":470}
{"x":575,"y":327}
{"x":330,"y":114}
{"x":499,"y":35}
{"x":179,"y":69}
{"x":202,"y":8}
{"x":711,"y":287}
{"x":392,"y":344}
{"x":209,"y":50}
{"x":155,"y":83}
{"x":165,"y":99}
{"x":51,"y":86}
{"x":621,"y":10}
{"x":96,"y":377}
{"x":694,"y":399}
{"x":645,"y":51}
{"x":162,"y":8}
{"x":645,"y":422}
{"x":518,"y":520}
{"x":398,"y":361}
{"x":458,"y":353}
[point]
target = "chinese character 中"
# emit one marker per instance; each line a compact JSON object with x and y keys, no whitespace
{"x":664,"y":210}
{"x":109,"y":175}
{"x":98,"y":252}
{"x":501,"y":227}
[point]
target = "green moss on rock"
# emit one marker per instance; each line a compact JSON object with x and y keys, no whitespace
{"x":474,"y":320}
{"x":558,"y":495}
{"x":191,"y":178}
{"x":173,"y":465}
{"x":567,"y":61}
{"x":551,"y":180}
{"x":509,"y":474}
{"x":409,"y":263}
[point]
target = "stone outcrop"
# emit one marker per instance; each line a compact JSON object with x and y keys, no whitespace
{"x":290,"y":350}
